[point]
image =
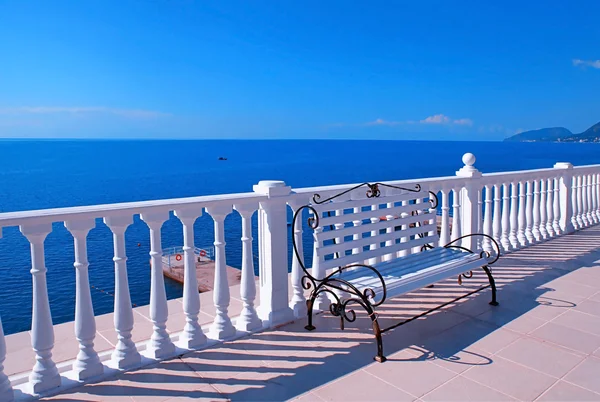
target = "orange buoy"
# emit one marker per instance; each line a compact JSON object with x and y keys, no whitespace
{"x":202,"y":253}
{"x":178,"y":257}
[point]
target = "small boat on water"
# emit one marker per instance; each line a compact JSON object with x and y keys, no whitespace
{"x":222,"y":158}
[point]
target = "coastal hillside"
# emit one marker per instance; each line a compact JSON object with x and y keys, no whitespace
{"x":557,"y":134}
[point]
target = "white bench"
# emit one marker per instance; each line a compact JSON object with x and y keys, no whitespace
{"x":377,"y":241}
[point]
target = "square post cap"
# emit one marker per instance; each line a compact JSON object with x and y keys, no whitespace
{"x":272,"y":188}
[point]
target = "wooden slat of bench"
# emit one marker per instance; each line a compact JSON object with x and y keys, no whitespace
{"x":381,"y":225}
{"x":410,"y":262}
{"x":378,"y":252}
{"x":323,"y":250}
{"x":359,"y":216}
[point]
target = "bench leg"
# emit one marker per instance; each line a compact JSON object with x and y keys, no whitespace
{"x":377,"y":331}
{"x":309,"y":311}
{"x":492,"y":284}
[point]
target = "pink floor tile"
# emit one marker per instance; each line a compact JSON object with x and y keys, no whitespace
{"x":463,"y":389}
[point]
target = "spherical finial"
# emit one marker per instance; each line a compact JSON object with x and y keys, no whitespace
{"x":468,"y":159}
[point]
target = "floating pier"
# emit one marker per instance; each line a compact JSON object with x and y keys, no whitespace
{"x":205,"y":267}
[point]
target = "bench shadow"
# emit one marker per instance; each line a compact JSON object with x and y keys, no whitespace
{"x":289,"y":361}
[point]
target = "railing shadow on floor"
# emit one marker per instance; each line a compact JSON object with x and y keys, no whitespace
{"x":284,"y":363}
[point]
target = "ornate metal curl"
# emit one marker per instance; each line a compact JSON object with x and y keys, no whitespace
{"x":482,"y":254}
{"x":372,"y":192}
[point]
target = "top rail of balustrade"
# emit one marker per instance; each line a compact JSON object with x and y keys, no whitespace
{"x":586,"y":169}
{"x":45,"y":216}
{"x":533,"y":174}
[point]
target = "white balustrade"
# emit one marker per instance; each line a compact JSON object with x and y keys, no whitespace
{"x":522,"y":220}
{"x":549,"y":208}
{"x":248,"y":319}
{"x":125,"y":354}
{"x":87,"y":364}
{"x":515,"y":208}
{"x":192,"y":336}
{"x":504,"y":240}
{"x":487,"y":219}
{"x":44,"y":375}
{"x":222,"y":328}
{"x":160,"y":344}
{"x":497,"y":214}
{"x":6,"y":390}
{"x":514,"y":199}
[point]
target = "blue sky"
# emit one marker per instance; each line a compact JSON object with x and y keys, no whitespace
{"x":448,"y":70}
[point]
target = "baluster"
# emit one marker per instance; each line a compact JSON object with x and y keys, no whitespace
{"x":87,"y":364}
{"x":487,"y":219}
{"x":248,"y":319}
{"x":584,"y":201}
{"x":514,"y":198}
{"x":580,"y":211}
{"x":6,"y":391}
{"x":549,"y":206}
{"x":160,"y":344}
{"x":543,"y":214}
{"x":574,"y":203}
{"x":222,"y":327}
{"x":456,"y":221}
{"x":536,"y":211}
{"x":125,"y":354}
{"x":556,"y":223}
{"x":44,"y":375}
{"x":298,"y":302}
{"x":497,"y":224}
{"x":445,"y":229}
{"x":589,"y":204}
{"x":597,"y":191}
{"x":522,"y":222}
{"x":505,"y":218}
{"x":192,"y":336}
{"x":529,"y":213}
{"x":594,"y":185}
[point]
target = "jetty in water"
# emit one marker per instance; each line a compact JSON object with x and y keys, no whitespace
{"x":173,"y":267}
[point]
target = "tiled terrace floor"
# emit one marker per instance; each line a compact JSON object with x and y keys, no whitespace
{"x":541,"y":343}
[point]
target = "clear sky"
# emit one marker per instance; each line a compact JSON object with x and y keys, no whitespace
{"x":479,"y":70}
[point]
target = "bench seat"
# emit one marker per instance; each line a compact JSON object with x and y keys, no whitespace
{"x":415,"y":271}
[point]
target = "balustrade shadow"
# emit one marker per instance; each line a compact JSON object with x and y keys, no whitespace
{"x":286,"y":362}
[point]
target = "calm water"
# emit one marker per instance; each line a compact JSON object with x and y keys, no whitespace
{"x":50,"y":174}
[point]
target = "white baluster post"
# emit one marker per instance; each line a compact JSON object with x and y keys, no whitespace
{"x":556,"y":207}
{"x":248,"y":319}
{"x":536,"y":211}
{"x":543,"y":214}
{"x":549,"y":207}
{"x":192,"y":336}
{"x":522,"y":219}
{"x":514,"y":199}
{"x":471,"y":212}
{"x":273,"y":253}
{"x":579,"y":196}
{"x":87,"y":364}
{"x":222,"y":328}
{"x":456,"y":216}
{"x":595,"y":217}
{"x":589,"y":203}
{"x":44,"y":375}
{"x":504,"y":240}
{"x":487,"y":220}
{"x":6,"y":391}
{"x":566,"y":193}
{"x":496,"y":224}
{"x":529,"y":213}
{"x":160,"y":344}
{"x":125,"y":355}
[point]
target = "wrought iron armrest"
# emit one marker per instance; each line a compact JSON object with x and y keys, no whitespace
{"x":483,"y":253}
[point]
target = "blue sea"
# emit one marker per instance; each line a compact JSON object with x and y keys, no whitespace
{"x":37,"y":174}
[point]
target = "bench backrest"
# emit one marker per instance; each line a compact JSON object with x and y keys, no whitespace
{"x":356,"y":229}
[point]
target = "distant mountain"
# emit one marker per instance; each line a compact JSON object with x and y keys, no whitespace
{"x":557,"y":134}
